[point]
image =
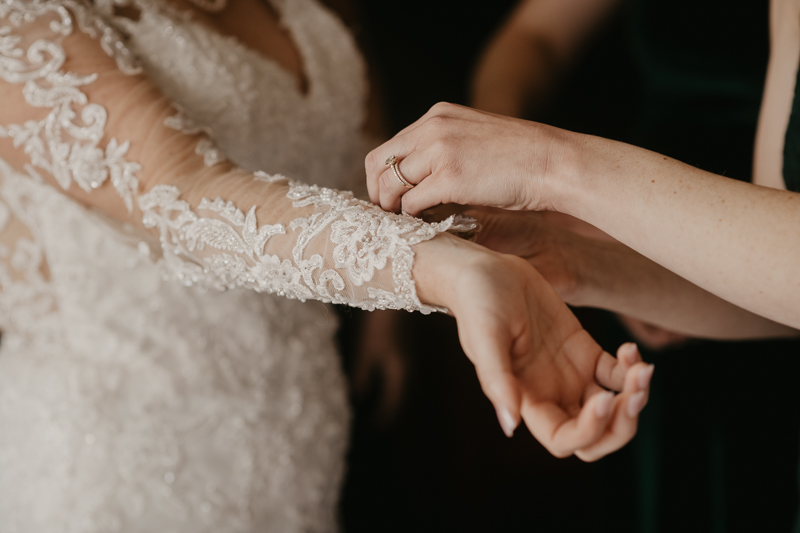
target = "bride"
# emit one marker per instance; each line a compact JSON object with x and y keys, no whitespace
{"x":146,"y":382}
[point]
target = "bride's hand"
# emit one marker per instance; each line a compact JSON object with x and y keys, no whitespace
{"x":533,"y":358}
{"x":455,"y":154}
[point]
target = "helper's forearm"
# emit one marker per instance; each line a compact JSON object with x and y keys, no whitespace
{"x":616,"y":278}
{"x":514,"y":75}
{"x":524,"y":60}
{"x":739,"y":241}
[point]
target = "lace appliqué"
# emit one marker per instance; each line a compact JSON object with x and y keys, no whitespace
{"x":63,"y":144}
{"x":227,"y":249}
{"x":206,"y":146}
{"x":366,"y":238}
{"x":19,"y":12}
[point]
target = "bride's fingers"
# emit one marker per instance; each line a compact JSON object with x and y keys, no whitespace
{"x":627,"y":407}
{"x":622,"y":428}
{"x":501,"y":387}
{"x":562,"y":434}
{"x":610,"y":372}
{"x":489,"y":352}
{"x":638,"y":378}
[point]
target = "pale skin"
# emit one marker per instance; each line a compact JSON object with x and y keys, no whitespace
{"x":534,"y":360}
{"x":586,"y":271}
{"x":733,"y":240}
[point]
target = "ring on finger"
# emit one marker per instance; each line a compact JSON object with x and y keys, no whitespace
{"x":392,"y":162}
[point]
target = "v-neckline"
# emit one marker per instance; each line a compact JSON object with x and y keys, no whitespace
{"x":303,"y":84}
{"x":302,"y":80}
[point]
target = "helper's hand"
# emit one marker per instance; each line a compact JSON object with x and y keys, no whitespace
{"x":455,"y":154}
{"x":532,"y":236}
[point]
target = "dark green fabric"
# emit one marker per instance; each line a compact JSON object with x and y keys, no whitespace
{"x":791,"y":145}
{"x":702,"y":65}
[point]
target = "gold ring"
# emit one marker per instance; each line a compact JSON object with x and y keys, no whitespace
{"x":392,"y":162}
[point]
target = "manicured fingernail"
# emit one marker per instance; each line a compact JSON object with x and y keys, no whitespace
{"x":604,"y":403}
{"x":507,"y":421}
{"x":635,"y":404}
{"x":631,"y":352}
{"x":645,"y":375}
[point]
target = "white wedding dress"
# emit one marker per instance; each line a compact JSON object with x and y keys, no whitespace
{"x":147,"y":383}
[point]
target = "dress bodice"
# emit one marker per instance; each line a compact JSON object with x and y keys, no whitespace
{"x":254,"y":107}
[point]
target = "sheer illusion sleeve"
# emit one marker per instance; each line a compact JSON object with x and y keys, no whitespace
{"x":77,"y":113}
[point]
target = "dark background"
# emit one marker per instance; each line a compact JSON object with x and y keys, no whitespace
{"x":443,"y":464}
{"x":723,"y":431}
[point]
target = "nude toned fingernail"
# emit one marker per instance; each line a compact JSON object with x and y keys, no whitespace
{"x":507,"y":421}
{"x":604,"y":403}
{"x":631,"y":350}
{"x":645,"y":375}
{"x":635,"y":404}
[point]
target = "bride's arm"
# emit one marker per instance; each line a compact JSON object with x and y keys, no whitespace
{"x":101,"y":136}
{"x":79,"y":118}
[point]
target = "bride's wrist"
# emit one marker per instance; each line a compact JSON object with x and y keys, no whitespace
{"x":438,"y":265}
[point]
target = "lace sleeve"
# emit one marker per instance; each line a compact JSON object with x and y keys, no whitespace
{"x":70,"y":96}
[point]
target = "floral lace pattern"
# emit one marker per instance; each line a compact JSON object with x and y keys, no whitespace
{"x":366,"y":240}
{"x":63,"y":144}
{"x":129,"y":402}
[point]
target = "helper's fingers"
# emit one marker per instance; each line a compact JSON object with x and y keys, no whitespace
{"x":562,"y":434}
{"x":376,"y":162}
{"x":400,"y":178}
{"x":392,"y":188}
{"x":431,"y":127}
{"x":434,"y":190}
{"x":444,"y":109}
